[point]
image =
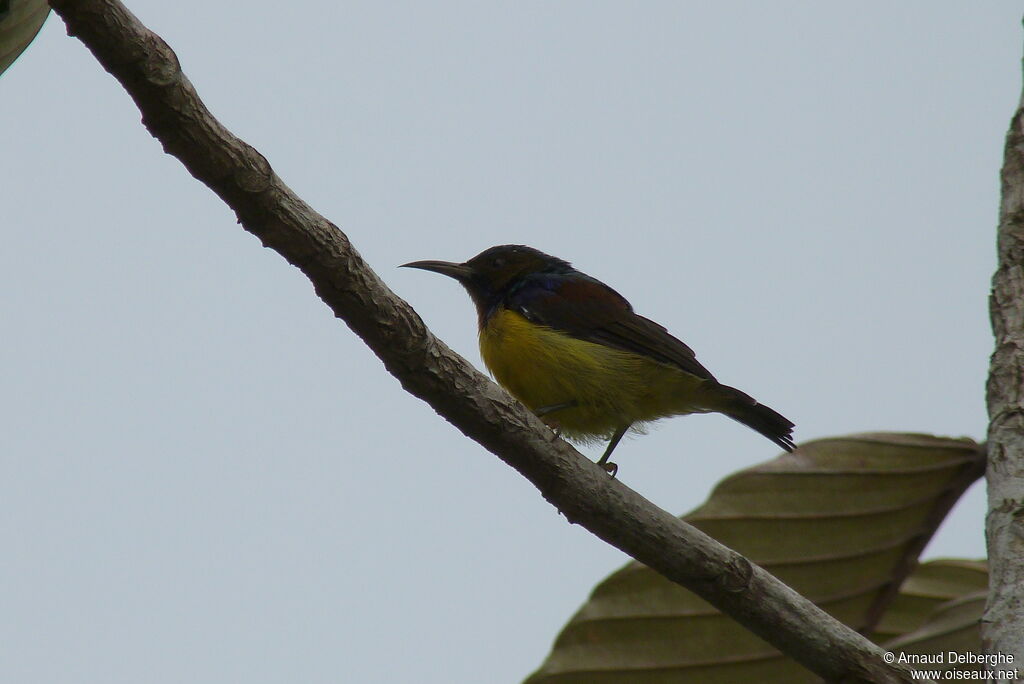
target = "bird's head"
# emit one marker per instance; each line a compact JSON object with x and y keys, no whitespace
{"x":493,"y":272}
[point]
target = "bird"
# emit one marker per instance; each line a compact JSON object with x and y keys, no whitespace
{"x":574,"y":352}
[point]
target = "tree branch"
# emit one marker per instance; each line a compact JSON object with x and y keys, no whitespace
{"x":174,"y":114}
{"x":1003,"y":624}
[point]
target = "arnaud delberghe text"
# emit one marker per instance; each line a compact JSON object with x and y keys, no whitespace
{"x":955,"y":658}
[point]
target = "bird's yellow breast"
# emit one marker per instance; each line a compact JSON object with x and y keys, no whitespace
{"x":543,"y":367}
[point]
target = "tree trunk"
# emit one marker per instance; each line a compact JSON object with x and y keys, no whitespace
{"x":1003,"y":624}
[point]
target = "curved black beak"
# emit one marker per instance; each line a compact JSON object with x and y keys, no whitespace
{"x":460,"y":272}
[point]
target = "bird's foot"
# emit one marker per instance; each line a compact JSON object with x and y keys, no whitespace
{"x":612,"y":468}
{"x":544,"y":411}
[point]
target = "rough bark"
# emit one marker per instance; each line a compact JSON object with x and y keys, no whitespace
{"x":583,"y":492}
{"x":1003,"y":624}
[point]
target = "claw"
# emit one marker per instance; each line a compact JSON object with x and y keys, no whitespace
{"x":612,"y":468}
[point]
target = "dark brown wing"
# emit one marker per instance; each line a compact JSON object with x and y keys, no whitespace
{"x":587,"y":309}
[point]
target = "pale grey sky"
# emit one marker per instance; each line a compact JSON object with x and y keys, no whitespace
{"x":205,"y":477}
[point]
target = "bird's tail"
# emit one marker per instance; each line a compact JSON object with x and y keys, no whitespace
{"x":743,"y":408}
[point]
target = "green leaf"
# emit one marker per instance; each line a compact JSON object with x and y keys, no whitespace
{"x":841,"y":520}
{"x":20,"y":21}
{"x":933,"y":585}
{"x":938,"y":611}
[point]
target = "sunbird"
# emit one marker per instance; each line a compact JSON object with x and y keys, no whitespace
{"x":573,"y":351}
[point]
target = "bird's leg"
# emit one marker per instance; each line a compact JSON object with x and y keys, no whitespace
{"x":612,"y":468}
{"x":545,"y":410}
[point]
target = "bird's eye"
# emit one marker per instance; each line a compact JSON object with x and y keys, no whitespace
{"x":498,"y":262}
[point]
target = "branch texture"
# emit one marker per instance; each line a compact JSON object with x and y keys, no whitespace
{"x":1003,"y":625}
{"x":172,"y":111}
